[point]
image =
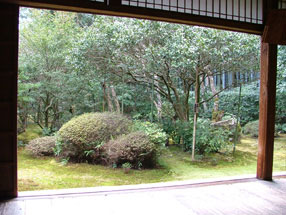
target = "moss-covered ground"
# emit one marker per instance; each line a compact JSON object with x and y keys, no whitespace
{"x":47,"y":173}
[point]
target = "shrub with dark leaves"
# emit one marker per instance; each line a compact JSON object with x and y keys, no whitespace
{"x":43,"y":146}
{"x":134,"y":148}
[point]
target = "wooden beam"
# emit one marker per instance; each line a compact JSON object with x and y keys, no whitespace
{"x":116,"y":9}
{"x":9,"y":16}
{"x":267,"y":110}
{"x":275,"y":28}
{"x":268,"y":5}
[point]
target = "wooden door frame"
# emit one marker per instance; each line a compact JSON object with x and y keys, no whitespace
{"x":8,"y":106}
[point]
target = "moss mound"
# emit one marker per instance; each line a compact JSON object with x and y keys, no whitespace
{"x":134,"y":148}
{"x":43,"y":146}
{"x":81,"y":136}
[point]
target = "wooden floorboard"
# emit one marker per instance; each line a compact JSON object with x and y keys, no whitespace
{"x":245,"y":198}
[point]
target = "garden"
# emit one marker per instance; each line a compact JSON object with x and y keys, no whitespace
{"x":114,"y":101}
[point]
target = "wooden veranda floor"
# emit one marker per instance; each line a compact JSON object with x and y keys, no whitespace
{"x":242,"y":197}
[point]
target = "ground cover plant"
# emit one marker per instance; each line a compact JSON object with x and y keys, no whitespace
{"x":47,"y":173}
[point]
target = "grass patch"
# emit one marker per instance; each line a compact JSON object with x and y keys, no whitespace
{"x":47,"y":173}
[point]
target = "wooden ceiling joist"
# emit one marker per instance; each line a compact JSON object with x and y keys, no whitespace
{"x":118,"y":9}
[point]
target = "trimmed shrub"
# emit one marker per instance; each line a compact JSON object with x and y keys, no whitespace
{"x":251,"y":128}
{"x":43,"y":146}
{"x":152,"y":130}
{"x":134,"y":148}
{"x":81,"y":137}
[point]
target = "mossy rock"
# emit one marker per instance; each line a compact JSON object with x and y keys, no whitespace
{"x":83,"y":134}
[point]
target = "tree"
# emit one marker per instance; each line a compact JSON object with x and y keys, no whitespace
{"x":44,"y":44}
{"x":122,"y":64}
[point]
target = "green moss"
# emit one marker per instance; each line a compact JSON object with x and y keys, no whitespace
{"x":47,"y":173}
{"x":32,"y":132}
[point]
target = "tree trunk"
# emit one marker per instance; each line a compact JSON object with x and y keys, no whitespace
{"x":46,"y":114}
{"x":109,"y":100}
{"x":179,"y":110}
{"x":114,"y":96}
{"x":203,"y":92}
{"x":106,"y":96}
{"x":158,"y":105}
{"x":213,"y":89}
{"x":234,"y":79}
{"x":196,"y":113}
{"x":56,"y":117}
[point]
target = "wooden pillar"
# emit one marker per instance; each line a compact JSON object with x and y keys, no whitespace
{"x":8,"y":99}
{"x":267,"y":110}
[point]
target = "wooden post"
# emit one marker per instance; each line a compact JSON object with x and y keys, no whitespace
{"x":8,"y":99}
{"x":267,"y":110}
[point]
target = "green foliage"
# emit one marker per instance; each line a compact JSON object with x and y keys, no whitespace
{"x":134,"y":148}
{"x":251,"y":128}
{"x":48,"y":131}
{"x":32,"y":132}
{"x":280,"y":128}
{"x":178,"y":130}
{"x":209,"y":138}
{"x":249,"y":103}
{"x":43,"y":146}
{"x":127,"y":165}
{"x":152,"y":130}
{"x":81,"y":52}
{"x":87,"y":132}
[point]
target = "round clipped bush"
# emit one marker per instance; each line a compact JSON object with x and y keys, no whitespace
{"x":83,"y":135}
{"x":251,"y":128}
{"x":134,"y":148}
{"x":43,"y":146}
